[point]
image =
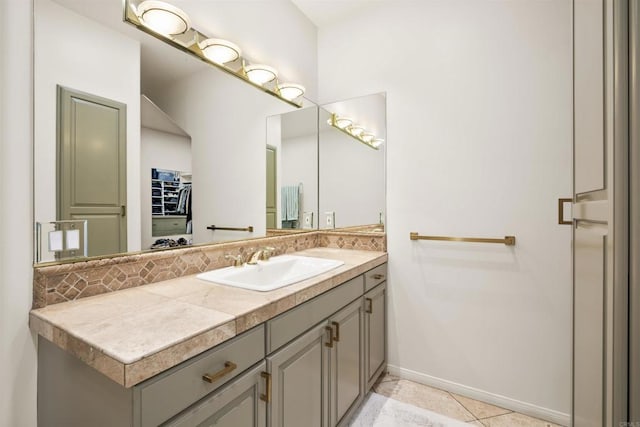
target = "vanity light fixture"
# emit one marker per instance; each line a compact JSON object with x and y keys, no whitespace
{"x":290,"y":91}
{"x":377,"y":142}
{"x":344,"y":124}
{"x":367,"y":137}
{"x":260,"y":74}
{"x":355,"y":130}
{"x":171,"y":25}
{"x":163,"y":18}
{"x":220,"y":51}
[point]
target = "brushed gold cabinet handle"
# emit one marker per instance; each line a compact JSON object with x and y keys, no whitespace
{"x":369,"y":308}
{"x":330,"y":330}
{"x":378,"y":276}
{"x":337,"y":336}
{"x":266,"y":397}
{"x":561,"y":203}
{"x":228,"y":367}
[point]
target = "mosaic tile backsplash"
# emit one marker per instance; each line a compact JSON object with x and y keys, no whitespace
{"x":54,"y":284}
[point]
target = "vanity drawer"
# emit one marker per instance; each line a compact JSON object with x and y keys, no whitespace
{"x":375,"y":276}
{"x":294,"y":322}
{"x":167,"y":394}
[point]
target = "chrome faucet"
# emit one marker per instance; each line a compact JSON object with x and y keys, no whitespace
{"x":262,"y":254}
{"x":238,"y":260}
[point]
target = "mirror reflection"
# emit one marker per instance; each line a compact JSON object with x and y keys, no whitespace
{"x":352,"y":172}
{"x":113,"y":103}
{"x":292,"y":171}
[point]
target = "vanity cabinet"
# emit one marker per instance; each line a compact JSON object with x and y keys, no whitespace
{"x":299,"y":372}
{"x":240,"y":404}
{"x":375,"y":337}
{"x":310,"y":366}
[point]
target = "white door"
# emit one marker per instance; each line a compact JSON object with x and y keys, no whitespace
{"x":600,"y":213}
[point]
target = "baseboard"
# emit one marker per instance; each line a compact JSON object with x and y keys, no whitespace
{"x":484,"y":396}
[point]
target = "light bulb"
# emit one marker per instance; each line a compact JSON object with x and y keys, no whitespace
{"x":261,"y":74}
{"x":163,"y":18}
{"x":220,"y":51}
{"x":290,"y":91}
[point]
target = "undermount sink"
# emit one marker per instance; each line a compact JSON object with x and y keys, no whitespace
{"x":276,"y":273}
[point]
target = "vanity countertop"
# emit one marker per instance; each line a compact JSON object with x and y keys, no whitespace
{"x":131,"y":335}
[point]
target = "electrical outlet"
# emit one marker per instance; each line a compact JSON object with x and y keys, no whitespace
{"x":307,"y":220}
{"x":330,"y":219}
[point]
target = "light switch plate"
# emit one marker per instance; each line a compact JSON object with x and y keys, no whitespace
{"x":330,"y":219}
{"x":56,"y":240}
{"x":72,"y":239}
{"x":307,"y":220}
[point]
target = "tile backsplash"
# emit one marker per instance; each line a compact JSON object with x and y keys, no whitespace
{"x":58,"y":283}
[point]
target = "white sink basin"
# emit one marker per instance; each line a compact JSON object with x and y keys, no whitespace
{"x":276,"y":273}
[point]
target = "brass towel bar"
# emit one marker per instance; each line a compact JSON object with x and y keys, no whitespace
{"x":249,"y":228}
{"x":507,"y":240}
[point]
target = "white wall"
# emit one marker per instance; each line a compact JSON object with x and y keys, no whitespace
{"x":164,"y":151}
{"x":17,"y":345}
{"x":78,"y":53}
{"x":479,"y":144}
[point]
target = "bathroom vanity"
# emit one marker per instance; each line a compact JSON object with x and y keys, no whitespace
{"x":302,"y":355}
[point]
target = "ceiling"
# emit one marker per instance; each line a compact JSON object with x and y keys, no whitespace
{"x":328,"y":12}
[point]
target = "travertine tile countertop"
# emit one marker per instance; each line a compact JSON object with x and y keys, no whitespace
{"x":134,"y":334}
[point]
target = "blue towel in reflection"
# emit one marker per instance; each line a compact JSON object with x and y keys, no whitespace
{"x":289,"y":202}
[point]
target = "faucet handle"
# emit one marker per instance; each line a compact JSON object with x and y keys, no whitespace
{"x":238,"y":260}
{"x":267,"y":251}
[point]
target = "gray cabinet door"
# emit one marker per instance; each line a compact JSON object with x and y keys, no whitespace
{"x":375,"y":332}
{"x":299,"y":373}
{"x":347,"y":387}
{"x":237,"y":405}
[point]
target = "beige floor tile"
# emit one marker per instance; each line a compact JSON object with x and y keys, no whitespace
{"x":386,"y":388}
{"x":480,"y":409}
{"x":425,"y":397}
{"x":515,"y":419}
{"x":386,"y":377}
{"x":475,"y":423}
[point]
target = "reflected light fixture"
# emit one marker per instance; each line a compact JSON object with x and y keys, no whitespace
{"x":163,"y":18}
{"x":260,"y":74}
{"x":343,"y":122}
{"x":355,"y":130}
{"x":290,"y":91}
{"x":377,"y":142}
{"x":367,"y":137}
{"x":220,"y":51}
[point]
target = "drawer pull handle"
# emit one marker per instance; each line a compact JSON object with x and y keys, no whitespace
{"x":267,"y":396}
{"x":378,"y":276}
{"x":228,"y":367}
{"x":330,"y":330}
{"x":369,"y":308}
{"x":336,"y":338}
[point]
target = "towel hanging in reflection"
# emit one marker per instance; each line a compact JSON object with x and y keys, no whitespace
{"x":289,"y":199}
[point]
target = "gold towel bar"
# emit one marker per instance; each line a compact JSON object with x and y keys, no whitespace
{"x":249,"y":228}
{"x":507,"y":240}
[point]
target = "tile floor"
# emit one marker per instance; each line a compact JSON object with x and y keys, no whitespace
{"x":473,"y":412}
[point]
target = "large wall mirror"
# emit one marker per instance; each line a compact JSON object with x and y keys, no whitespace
{"x":352,"y":153}
{"x":193,"y":152}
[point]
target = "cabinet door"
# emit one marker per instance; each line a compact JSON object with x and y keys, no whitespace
{"x":299,"y":373}
{"x":237,"y":405}
{"x":375,"y":332}
{"x":346,"y":388}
